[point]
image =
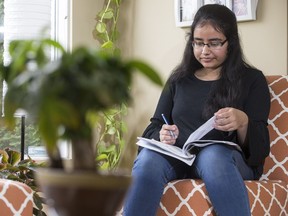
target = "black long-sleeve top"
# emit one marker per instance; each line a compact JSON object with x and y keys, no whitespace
{"x":183,"y":101}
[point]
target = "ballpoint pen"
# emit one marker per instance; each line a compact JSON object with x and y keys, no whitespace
{"x":166,"y":122}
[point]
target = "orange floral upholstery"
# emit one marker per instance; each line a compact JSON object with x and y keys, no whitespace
{"x":16,"y":198}
{"x":269,"y":195}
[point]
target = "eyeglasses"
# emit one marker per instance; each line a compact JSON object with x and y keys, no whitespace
{"x":213,"y":45}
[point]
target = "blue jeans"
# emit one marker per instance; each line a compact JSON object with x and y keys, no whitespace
{"x":221,"y":168}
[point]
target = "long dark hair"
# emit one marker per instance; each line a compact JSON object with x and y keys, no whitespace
{"x":226,"y":91}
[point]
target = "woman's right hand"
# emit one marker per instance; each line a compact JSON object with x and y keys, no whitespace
{"x":168,"y":134}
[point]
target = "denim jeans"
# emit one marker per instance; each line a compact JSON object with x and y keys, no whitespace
{"x":222,"y":169}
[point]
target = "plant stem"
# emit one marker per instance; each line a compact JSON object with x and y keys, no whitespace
{"x":107,"y":6}
{"x":83,"y":154}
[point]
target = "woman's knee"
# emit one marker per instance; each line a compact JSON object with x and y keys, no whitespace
{"x":150,"y":164}
{"x":214,"y":159}
{"x":214,"y":153}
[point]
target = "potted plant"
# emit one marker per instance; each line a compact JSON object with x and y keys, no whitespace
{"x":63,"y":98}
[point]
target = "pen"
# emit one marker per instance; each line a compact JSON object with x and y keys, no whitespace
{"x":166,"y":122}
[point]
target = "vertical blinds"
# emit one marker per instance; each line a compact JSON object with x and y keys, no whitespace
{"x":24,"y":19}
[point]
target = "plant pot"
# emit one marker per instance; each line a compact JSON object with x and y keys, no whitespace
{"x":83,"y":193}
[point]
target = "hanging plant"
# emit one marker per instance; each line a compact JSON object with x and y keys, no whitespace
{"x":112,"y":127}
{"x":105,"y":31}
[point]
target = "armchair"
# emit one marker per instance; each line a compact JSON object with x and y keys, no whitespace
{"x":269,"y":195}
{"x":16,"y":198}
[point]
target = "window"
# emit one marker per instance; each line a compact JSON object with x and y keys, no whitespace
{"x":27,"y":20}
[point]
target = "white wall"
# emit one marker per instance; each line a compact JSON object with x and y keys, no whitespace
{"x":148,"y":31}
{"x":83,"y":14}
{"x":265,"y":40}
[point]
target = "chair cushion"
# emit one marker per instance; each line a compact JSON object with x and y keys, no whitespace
{"x":276,"y":165}
{"x":16,"y":198}
{"x":185,"y":197}
{"x":189,"y":197}
{"x":268,"y":197}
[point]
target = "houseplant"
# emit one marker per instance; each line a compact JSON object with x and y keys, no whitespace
{"x":105,"y":30}
{"x":111,"y":142}
{"x":64,"y":98}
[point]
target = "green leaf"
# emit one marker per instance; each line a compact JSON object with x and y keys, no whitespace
{"x":54,"y":43}
{"x":14,"y":157}
{"x":108,"y":45}
{"x":111,"y":148}
{"x":104,"y":166}
{"x":108,"y":14}
{"x":102,"y":157}
{"x":18,"y":51}
{"x":114,"y":35}
{"x":117,"y":2}
{"x":54,"y":113}
{"x":146,"y":70}
{"x":112,"y":130}
{"x":38,"y":201}
{"x":101,"y":27}
{"x":9,"y":108}
{"x":4,"y":156}
{"x":117,"y":52}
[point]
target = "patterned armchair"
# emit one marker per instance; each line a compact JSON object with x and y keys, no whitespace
{"x":16,"y":198}
{"x":269,"y":195}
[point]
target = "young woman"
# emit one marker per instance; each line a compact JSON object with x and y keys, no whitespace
{"x":212,"y":79}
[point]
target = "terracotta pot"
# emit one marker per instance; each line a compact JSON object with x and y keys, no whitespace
{"x":83,"y":193}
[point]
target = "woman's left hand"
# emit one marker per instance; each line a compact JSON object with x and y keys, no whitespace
{"x":230,"y":119}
